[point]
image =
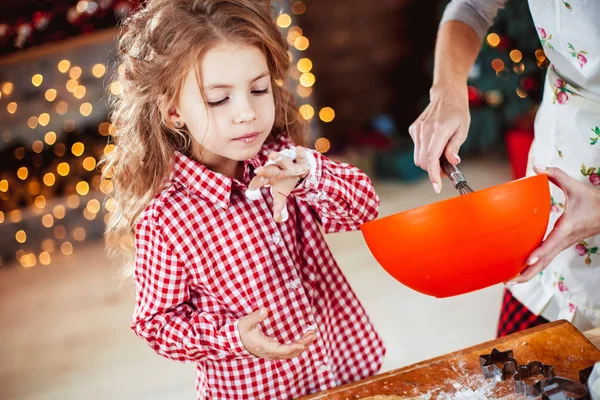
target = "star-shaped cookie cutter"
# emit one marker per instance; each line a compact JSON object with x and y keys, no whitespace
{"x":490,"y":364}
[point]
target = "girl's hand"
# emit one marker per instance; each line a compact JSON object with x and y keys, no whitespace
{"x":283,"y":176}
{"x":262,"y":346}
{"x":580,"y":220}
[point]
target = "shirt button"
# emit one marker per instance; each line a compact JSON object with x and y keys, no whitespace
{"x":295,"y":284}
{"x":312,"y":328}
{"x":276,"y":239}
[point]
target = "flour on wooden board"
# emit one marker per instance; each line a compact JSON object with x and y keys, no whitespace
{"x":464,"y":386}
{"x":383,"y":397}
{"x":468,"y":386}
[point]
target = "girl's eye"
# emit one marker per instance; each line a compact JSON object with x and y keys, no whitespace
{"x":260,"y":92}
{"x":221,"y":102}
{"x":217,"y":103}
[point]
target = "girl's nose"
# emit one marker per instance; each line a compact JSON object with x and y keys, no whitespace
{"x":245,"y":114}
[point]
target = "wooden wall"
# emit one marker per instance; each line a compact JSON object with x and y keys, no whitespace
{"x":370,"y":57}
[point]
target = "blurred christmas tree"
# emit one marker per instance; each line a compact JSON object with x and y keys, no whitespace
{"x":506,"y":81}
{"x":504,"y":89}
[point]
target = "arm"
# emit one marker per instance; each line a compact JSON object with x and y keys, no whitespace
{"x":444,"y":125}
{"x":462,"y":28}
{"x":477,"y":14}
{"x":341,"y":194}
{"x":164,"y":315}
{"x":456,"y":50}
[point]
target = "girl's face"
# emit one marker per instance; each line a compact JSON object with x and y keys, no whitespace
{"x":239,"y":111}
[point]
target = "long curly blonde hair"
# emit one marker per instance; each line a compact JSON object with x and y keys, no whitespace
{"x":157,"y":46}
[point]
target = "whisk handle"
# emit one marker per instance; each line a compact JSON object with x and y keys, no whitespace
{"x":452,"y":171}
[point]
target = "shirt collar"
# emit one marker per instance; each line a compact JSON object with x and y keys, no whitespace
{"x":216,"y":187}
{"x":213,"y":186}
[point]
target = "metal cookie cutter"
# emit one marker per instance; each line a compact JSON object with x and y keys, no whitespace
{"x":490,"y":364}
{"x":523,"y":383}
{"x":564,"y":389}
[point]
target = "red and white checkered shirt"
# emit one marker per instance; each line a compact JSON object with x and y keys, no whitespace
{"x":207,"y":256}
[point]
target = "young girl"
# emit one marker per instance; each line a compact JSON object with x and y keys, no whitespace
{"x":243,"y":285}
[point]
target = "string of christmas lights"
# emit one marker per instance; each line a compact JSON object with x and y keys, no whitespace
{"x":51,"y":191}
{"x":301,"y":74}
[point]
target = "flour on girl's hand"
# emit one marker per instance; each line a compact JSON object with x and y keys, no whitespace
{"x":254,"y":194}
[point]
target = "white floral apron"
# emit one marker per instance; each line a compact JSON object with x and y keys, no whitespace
{"x":567,"y":135}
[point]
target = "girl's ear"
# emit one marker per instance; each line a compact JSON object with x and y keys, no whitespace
{"x":174,"y":118}
{"x":171,"y":114}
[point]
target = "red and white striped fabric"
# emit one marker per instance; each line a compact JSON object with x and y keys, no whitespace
{"x":206,"y":256}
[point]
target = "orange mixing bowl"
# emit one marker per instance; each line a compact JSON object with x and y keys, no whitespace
{"x":465,"y":243}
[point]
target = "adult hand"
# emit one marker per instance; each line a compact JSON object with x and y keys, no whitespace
{"x":441,"y":128}
{"x":580,"y":220}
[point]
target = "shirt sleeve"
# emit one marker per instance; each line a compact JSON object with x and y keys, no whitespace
{"x":164,"y":315}
{"x":478,"y":14}
{"x":342,"y":195}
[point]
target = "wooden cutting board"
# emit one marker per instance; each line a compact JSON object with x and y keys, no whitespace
{"x":458,"y":375}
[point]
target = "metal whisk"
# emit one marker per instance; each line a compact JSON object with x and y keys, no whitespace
{"x":456,"y":176}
